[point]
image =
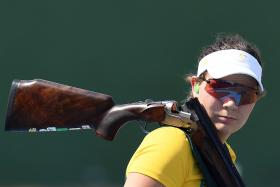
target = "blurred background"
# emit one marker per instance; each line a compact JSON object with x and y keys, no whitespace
{"x":132,"y":50}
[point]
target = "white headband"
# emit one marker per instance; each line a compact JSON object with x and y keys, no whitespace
{"x":231,"y":61}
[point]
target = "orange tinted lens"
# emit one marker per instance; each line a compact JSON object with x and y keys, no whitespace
{"x":241,"y":95}
{"x":218,"y":84}
{"x":248,"y":97}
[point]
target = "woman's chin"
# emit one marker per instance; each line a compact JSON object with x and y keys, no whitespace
{"x":223,"y":130}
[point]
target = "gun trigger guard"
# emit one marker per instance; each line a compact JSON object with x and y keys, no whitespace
{"x":144,"y":128}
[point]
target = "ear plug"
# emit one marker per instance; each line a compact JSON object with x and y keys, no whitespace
{"x":196,"y":88}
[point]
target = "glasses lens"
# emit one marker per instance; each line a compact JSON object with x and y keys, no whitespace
{"x":224,"y":91}
{"x":248,"y":96}
{"x":218,"y":84}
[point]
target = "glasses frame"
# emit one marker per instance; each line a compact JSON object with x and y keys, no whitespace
{"x":259,"y":93}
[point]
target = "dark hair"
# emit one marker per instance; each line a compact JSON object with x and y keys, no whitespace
{"x":232,"y":41}
{"x":227,"y":41}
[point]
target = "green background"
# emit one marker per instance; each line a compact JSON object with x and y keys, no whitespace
{"x":131,"y":50}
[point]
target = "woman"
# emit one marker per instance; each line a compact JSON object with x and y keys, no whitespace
{"x":228,"y":84}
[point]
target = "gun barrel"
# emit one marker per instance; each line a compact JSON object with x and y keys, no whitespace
{"x":213,"y":153}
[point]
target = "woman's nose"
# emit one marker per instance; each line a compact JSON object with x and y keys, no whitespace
{"x":230,"y":103}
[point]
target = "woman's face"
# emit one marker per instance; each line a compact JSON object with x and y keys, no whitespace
{"x":226,"y":116}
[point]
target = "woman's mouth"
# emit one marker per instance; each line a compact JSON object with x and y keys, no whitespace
{"x":225,"y":119}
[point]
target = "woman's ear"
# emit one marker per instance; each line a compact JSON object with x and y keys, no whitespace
{"x":195,"y":86}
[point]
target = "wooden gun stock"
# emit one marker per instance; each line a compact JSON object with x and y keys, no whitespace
{"x":37,"y":105}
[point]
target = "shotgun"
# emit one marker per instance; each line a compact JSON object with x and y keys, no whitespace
{"x":39,"y":105}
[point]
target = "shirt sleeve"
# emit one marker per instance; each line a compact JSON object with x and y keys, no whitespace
{"x":163,"y":155}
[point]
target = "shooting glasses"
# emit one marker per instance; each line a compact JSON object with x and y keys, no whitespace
{"x":225,"y":90}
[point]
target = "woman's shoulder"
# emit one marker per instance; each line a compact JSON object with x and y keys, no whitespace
{"x":164,"y":155}
{"x":166,"y":138}
{"x":168,"y":132}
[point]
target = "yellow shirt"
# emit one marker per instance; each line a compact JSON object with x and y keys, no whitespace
{"x":165,"y":155}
